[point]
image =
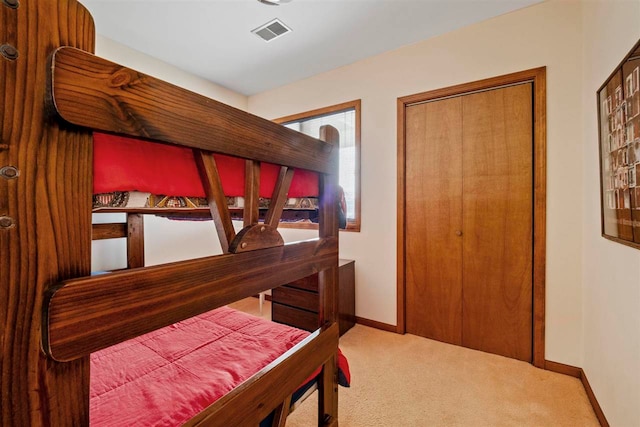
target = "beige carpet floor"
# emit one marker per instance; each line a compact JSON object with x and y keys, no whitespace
{"x":405,"y":380}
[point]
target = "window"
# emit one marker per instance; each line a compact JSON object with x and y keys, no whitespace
{"x":346,"y":119}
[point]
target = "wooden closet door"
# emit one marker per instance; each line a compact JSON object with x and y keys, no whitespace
{"x":432,"y":217}
{"x":497,"y":215}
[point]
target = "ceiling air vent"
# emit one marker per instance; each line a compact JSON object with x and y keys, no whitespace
{"x":271,"y":30}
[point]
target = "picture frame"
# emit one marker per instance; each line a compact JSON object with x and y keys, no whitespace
{"x":619,"y":148}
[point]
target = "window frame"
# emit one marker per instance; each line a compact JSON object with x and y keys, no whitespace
{"x":354,"y":223}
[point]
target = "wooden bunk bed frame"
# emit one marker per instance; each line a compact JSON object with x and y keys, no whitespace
{"x":54,"y":92}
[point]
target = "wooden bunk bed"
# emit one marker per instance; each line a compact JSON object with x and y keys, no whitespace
{"x":54,"y":314}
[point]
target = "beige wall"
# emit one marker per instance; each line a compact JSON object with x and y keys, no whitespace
{"x":544,"y":35}
{"x":611,"y":271}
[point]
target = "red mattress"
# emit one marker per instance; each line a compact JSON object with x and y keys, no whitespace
{"x":167,"y":376}
{"x":128,"y":164}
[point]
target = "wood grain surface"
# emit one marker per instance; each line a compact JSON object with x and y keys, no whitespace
{"x":537,"y":79}
{"x":433,"y":216}
{"x":212,"y":184}
{"x":135,"y":241}
{"x":279,"y":196}
{"x":93,"y":92}
{"x":498,"y":221}
{"x":328,"y":279}
{"x":296,"y":297}
{"x":114,"y":230}
{"x":88,"y":314}
{"x":251,"y":212}
{"x":254,"y":237}
{"x":50,"y":239}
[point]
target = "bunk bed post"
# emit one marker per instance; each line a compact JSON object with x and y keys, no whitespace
{"x":328,"y":284}
{"x":44,"y":237}
{"x":135,"y":240}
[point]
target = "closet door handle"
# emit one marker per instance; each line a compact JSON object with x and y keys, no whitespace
{"x":458,"y":233}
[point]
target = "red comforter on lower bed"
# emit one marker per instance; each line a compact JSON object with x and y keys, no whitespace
{"x":165,"y":377}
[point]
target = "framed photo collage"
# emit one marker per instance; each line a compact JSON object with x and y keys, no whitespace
{"x":619,"y":124}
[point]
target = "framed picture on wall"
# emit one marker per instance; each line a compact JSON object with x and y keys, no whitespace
{"x":619,"y":127}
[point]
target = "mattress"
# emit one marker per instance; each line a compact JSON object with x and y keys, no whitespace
{"x":165,"y":377}
{"x":129,"y":164}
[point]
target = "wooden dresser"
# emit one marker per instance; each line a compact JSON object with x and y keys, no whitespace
{"x":297,"y":303}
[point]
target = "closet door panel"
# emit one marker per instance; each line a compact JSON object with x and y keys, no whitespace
{"x":432,"y":218}
{"x":497,"y":217}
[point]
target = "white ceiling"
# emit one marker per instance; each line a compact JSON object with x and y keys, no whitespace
{"x":212,"y":38}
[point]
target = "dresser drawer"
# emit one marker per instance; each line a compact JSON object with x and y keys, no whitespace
{"x":297,"y":303}
{"x":302,"y":319}
{"x":295,"y":297}
{"x":309,"y":283}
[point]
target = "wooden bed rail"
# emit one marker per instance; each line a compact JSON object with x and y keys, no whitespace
{"x":93,"y":92}
{"x":132,"y":229}
{"x":115,"y":230}
{"x":88,"y":314}
{"x":252,"y":401}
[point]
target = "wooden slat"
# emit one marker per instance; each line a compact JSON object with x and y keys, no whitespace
{"x":190,"y":213}
{"x":279,"y":197}
{"x":50,"y":204}
{"x":88,"y":314}
{"x":135,"y":241}
{"x":205,"y":213}
{"x":93,"y":92}
{"x":281,"y":412}
{"x":114,"y":230}
{"x":253,"y":400}
{"x":251,"y":212}
{"x":215,"y":196}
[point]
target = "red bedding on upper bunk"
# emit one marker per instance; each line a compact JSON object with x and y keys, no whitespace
{"x":167,"y":376}
{"x":129,"y":164}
